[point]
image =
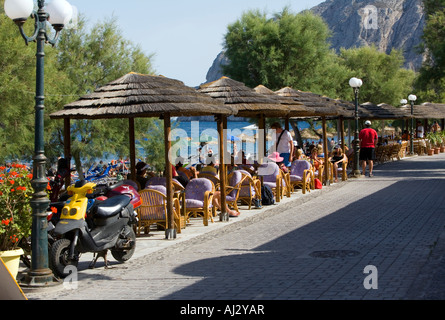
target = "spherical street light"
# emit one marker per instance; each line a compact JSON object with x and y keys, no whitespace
{"x":403,"y":102}
{"x":355,"y":84}
{"x":19,"y":9}
{"x":412,"y":98}
{"x":60,"y":12}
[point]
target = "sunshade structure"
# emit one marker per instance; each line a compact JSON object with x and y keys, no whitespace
{"x":427,"y":110}
{"x":247,"y":102}
{"x":320,"y":105}
{"x":137,"y":95}
{"x":380,"y":111}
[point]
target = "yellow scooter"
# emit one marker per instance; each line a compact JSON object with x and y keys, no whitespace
{"x":90,"y":225}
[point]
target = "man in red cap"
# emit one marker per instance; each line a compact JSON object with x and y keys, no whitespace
{"x":368,"y":140}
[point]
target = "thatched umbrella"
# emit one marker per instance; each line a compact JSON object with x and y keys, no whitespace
{"x":318,"y":104}
{"x":247,"y":102}
{"x":137,"y":95}
{"x":428,"y":110}
{"x":321,"y":106}
{"x":380,"y":111}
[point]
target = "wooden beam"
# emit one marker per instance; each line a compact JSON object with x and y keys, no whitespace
{"x":132,"y":150}
{"x":222,"y":127}
{"x":67,"y":148}
{"x":170,"y":232}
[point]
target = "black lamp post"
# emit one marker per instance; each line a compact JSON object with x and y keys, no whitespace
{"x":356,"y":84}
{"x":411,"y":99}
{"x":58,"y":12}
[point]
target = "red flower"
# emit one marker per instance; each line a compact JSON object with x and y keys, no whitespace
{"x":54,"y":209}
{"x":11,"y":181}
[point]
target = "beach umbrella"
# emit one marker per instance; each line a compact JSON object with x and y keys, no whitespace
{"x":137,"y":95}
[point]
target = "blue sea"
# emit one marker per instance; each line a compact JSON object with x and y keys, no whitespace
{"x":205,"y":132}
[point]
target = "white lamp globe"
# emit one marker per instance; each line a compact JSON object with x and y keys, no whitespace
{"x":60,"y":12}
{"x":403,"y":101}
{"x":355,"y":83}
{"x":412,"y":97}
{"x":19,"y":9}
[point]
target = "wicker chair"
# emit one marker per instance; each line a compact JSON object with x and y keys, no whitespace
{"x":301,"y":175}
{"x":250,"y":189}
{"x":212,"y":177}
{"x":235,"y":179}
{"x":154,"y":209}
{"x":271,"y":175}
{"x":198,"y":199}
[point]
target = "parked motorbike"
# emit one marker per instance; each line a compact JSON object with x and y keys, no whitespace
{"x":93,"y":222}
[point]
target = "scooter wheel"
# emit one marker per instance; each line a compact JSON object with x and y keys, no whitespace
{"x":125,"y":255}
{"x":59,"y":258}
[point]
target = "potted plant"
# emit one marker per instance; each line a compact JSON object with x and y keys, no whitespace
{"x":431,"y":136}
{"x":15,"y":213}
{"x":441,"y":134}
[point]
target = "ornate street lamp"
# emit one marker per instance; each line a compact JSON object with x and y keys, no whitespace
{"x":356,"y":84}
{"x":58,"y":13}
{"x":411,"y":99}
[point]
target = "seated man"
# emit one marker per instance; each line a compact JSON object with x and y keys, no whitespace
{"x":210,"y":167}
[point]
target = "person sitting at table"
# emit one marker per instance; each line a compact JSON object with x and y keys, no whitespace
{"x":210,"y":167}
{"x":275,"y":157}
{"x":337,"y":158}
{"x":190,"y":173}
{"x":314,"y":159}
{"x":405,"y":135}
{"x":298,"y":154}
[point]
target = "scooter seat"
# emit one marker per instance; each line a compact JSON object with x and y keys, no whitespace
{"x":112,"y":206}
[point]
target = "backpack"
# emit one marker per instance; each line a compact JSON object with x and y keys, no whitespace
{"x":267,"y":197}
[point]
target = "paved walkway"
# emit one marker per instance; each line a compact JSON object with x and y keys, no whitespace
{"x":310,"y":247}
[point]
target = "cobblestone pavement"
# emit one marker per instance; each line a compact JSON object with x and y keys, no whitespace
{"x":314,"y":247}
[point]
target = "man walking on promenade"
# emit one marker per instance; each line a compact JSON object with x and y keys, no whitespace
{"x":368,"y":140}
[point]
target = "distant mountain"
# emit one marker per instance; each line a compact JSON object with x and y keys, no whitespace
{"x":388,"y":24}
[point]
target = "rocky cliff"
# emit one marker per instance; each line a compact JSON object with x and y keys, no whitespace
{"x":388,"y":24}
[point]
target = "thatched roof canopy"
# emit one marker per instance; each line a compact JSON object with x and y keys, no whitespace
{"x":248,"y":102}
{"x":295,"y":108}
{"x":380,"y":111}
{"x":320,"y":105}
{"x":138,"y":95}
{"x":427,"y":110}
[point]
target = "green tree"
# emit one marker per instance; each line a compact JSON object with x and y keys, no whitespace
{"x":90,"y":60}
{"x":285,"y":50}
{"x":431,"y":79}
{"x":384,"y":78}
{"x":17,"y":92}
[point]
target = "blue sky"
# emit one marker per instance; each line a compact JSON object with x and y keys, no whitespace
{"x":185,"y":36}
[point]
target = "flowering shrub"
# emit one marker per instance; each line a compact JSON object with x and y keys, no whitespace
{"x":15,"y":209}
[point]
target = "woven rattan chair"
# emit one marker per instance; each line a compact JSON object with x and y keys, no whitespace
{"x":198,"y":199}
{"x":154,"y":209}
{"x":301,"y":175}
{"x":250,"y":189}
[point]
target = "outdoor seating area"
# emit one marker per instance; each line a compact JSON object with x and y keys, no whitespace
{"x":207,"y":193}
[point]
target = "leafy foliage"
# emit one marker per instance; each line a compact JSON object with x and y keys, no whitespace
{"x":15,"y":210}
{"x":431,"y":80}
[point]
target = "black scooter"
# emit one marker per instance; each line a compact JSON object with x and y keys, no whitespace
{"x":98,"y":227}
